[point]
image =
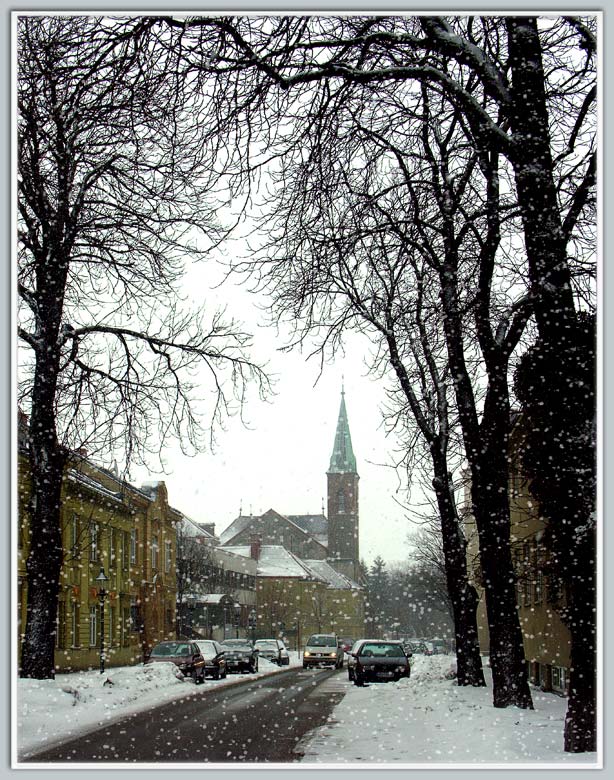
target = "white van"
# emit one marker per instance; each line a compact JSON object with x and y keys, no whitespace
{"x":323,"y":650}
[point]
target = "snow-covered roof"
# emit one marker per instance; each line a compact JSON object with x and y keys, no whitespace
{"x":336,"y":580}
{"x":192,"y":528}
{"x":93,"y":484}
{"x":313,"y":526}
{"x":276,"y":561}
{"x":238,"y":524}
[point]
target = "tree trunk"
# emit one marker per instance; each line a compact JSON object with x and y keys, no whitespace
{"x":489,"y":488}
{"x":581,"y":718}
{"x":44,"y":561}
{"x":556,"y":319}
{"x":47,"y":461}
{"x":460,"y":591}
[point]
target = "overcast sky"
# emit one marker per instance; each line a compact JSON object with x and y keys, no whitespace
{"x":280,"y":458}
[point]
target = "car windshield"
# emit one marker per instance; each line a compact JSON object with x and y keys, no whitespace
{"x":207,"y":649}
{"x":267,"y":643}
{"x":170,"y":649}
{"x":233,"y":642}
{"x":318,"y":640}
{"x":237,"y":646}
{"x":381,"y":651}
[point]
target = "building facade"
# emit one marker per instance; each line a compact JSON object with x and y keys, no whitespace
{"x":129,"y":534}
{"x":546,"y":639}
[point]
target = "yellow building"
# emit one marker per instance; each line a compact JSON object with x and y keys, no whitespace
{"x":297,"y":597}
{"x":546,"y":639}
{"x":127,"y":531}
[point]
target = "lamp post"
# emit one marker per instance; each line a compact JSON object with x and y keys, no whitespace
{"x":252,"y":623}
{"x":102,"y":594}
{"x":237,"y":618}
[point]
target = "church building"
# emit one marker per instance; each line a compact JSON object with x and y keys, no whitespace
{"x":333,"y":538}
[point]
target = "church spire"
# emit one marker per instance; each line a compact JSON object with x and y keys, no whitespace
{"x":342,"y":460}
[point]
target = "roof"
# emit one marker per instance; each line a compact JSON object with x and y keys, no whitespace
{"x":343,"y":460}
{"x":238,"y":524}
{"x":192,"y":528}
{"x":335,"y":579}
{"x":276,"y":561}
{"x":243,"y":522}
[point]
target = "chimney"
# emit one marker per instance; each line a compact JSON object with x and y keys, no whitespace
{"x":255,"y":543}
{"x":208,"y":527}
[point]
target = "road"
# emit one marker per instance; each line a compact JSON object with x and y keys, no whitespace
{"x":258,"y":720}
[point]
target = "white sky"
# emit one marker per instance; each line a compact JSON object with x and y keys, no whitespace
{"x":279,"y":459}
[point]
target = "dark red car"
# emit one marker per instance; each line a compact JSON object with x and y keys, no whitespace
{"x":185,"y":655}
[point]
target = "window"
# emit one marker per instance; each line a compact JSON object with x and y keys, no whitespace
{"x":125,"y":546}
{"x":133,"y":545}
{"x":125,"y":627}
{"x":167,"y":555}
{"x":60,"y":625}
{"x":154,"y":552}
{"x":74,"y":533}
{"x":341,"y":501}
{"x":135,"y":618}
{"x":539,"y":586}
{"x":559,"y":679}
{"x":94,"y":540}
{"x":111,"y":626}
{"x":74,"y":625}
{"x":111,"y":547}
{"x":93,"y":611}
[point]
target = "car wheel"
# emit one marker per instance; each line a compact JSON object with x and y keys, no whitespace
{"x":350,"y":675}
{"x":199,"y":678}
{"x":304,"y":665}
{"x":358,"y":680}
{"x":216,"y":675}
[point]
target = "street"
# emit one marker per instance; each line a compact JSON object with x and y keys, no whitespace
{"x":258,"y":720}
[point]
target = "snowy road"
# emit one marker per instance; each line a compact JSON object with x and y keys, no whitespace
{"x":258,"y":720}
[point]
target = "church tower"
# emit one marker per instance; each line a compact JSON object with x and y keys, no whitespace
{"x":343,"y":501}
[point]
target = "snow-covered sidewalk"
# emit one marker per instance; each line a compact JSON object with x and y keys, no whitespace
{"x":430,"y":720}
{"x":53,"y":711}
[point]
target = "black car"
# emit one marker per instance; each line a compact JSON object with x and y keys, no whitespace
{"x":378,"y":660}
{"x":273,"y":650}
{"x":214,"y":657}
{"x":240,"y":655}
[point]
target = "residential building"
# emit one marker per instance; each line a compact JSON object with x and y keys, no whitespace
{"x":546,"y":639}
{"x":297,"y":597}
{"x":126,"y":531}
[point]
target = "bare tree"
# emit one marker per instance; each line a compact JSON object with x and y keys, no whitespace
{"x":526,"y":89}
{"x":113,"y":196}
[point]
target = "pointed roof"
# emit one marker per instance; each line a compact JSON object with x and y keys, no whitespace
{"x":342,"y":460}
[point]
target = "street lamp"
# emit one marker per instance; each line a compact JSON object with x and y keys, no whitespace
{"x":237,"y":618}
{"x":102,"y":594}
{"x":252,"y":623}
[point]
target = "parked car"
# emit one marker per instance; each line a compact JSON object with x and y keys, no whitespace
{"x":323,"y":650}
{"x":346,"y":642}
{"x":418,"y":648}
{"x":240,"y":655}
{"x":187,"y":656}
{"x":378,"y":660}
{"x":215,"y":661}
{"x":429,"y":648}
{"x":273,"y":650}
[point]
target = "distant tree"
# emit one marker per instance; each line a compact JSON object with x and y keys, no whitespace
{"x":194,"y":566}
{"x":113,"y":195}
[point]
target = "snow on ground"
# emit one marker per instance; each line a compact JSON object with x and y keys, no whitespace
{"x":53,"y":711}
{"x":428,"y":720}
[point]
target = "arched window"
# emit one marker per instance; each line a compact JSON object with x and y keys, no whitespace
{"x":341,"y":501}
